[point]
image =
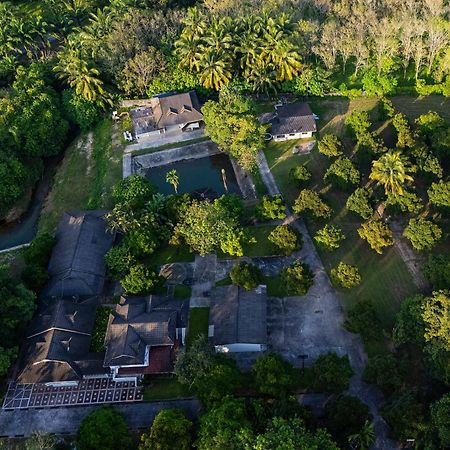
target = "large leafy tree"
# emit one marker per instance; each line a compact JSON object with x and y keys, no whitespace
{"x":422,"y":233}
{"x":170,"y":429}
{"x":309,"y":202}
{"x":392,"y":171}
{"x":377,"y":234}
{"x":273,"y":376}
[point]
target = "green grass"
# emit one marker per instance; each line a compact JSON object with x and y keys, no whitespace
{"x":85,"y":177}
{"x":164,"y":388}
{"x":99,"y":331}
{"x":275,"y":286}
{"x":262,"y":246}
{"x":182,"y":291}
{"x":224,"y":281}
{"x":178,"y":144}
{"x":198,"y":324}
{"x":386,"y":280}
{"x":170,"y":254}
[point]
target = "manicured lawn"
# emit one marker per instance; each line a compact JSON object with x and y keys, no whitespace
{"x":170,"y":254}
{"x":198,"y":324}
{"x":84,"y":179}
{"x":262,"y":246}
{"x":182,"y":291}
{"x":386,"y":280}
{"x":164,"y":388}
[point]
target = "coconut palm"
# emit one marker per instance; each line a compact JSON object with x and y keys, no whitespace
{"x":172,"y":178}
{"x":215,"y":70}
{"x":392,"y":172}
{"x":364,"y":439}
{"x":188,"y":50}
{"x":287,"y":60}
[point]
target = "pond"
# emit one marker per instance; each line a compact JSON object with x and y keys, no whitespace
{"x":201,"y":175}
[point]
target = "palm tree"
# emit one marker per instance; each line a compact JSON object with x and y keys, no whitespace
{"x":392,"y":172}
{"x":287,"y":60}
{"x":74,"y":68}
{"x":172,"y":178}
{"x":364,"y":439}
{"x":215,"y":70}
{"x":187,"y":48}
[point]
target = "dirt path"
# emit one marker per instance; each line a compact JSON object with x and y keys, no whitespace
{"x":325,"y":331}
{"x":412,"y":260}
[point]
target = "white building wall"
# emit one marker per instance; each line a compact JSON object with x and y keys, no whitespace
{"x":287,"y":137}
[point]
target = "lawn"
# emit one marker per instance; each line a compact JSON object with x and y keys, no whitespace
{"x":164,"y":388}
{"x":170,"y":254}
{"x":198,"y":324}
{"x":84,"y":179}
{"x":262,"y":246}
{"x":181,"y":291}
{"x":386,"y":280}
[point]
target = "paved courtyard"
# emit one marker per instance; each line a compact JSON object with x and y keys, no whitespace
{"x":87,"y":392}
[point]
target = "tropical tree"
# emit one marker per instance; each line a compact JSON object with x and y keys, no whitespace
{"x":364,"y":438}
{"x":392,"y":171}
{"x":172,"y":178}
{"x":215,"y":70}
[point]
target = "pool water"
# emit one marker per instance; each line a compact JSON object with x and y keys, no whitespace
{"x":196,"y":175}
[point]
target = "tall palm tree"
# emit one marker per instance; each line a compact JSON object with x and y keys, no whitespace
{"x":188,"y":50}
{"x":364,"y":439}
{"x":392,"y":172}
{"x":287,"y":60}
{"x":215,"y":70}
{"x":172,"y":178}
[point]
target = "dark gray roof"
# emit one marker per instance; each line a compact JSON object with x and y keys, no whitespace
{"x":291,"y":118}
{"x":238,"y":316}
{"x":177,"y":109}
{"x":77,"y":265}
{"x":138,"y":322}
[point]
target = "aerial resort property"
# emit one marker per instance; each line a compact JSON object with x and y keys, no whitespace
{"x":225,"y":225}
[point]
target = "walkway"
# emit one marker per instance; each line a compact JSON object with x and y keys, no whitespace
{"x":322,"y":324}
{"x":204,"y":280}
{"x":22,"y":423}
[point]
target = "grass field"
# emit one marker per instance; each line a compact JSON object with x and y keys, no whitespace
{"x":85,"y":177}
{"x":198,"y":324}
{"x":386,"y":280}
{"x":164,"y":388}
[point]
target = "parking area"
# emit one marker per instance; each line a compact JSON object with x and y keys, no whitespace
{"x":87,"y":392}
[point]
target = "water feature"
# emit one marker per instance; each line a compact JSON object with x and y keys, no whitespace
{"x":196,"y":175}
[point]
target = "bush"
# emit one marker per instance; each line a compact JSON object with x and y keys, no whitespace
{"x":40,"y":249}
{"x":309,"y":202}
{"x":271,"y":208}
{"x":300,"y":174}
{"x":359,"y":202}
{"x":345,"y":275}
{"x":439,"y":194}
{"x":330,"y":145}
{"x":359,"y":124}
{"x":342,"y":173}
{"x":118,"y":261}
{"x":437,"y":271}
{"x":345,"y":416}
{"x":378,"y":84}
{"x":407,"y":202}
{"x":79,"y":110}
{"x":422,"y":233}
{"x":331,"y":374}
{"x":170,"y":429}
{"x":363,"y":319}
{"x":377,"y":234}
{"x":382,"y":371}
{"x":140,"y":280}
{"x":104,"y":428}
{"x":297,"y":278}
{"x":245,"y":275}
{"x":273,"y":375}
{"x":329,"y":237}
{"x":286,"y":239}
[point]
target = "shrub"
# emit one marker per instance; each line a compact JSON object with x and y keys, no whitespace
{"x":309,"y":202}
{"x":407,"y":202}
{"x":422,"y":233}
{"x":300,"y":174}
{"x":437,"y":271}
{"x":331,"y":373}
{"x":79,"y":110}
{"x":140,"y":280}
{"x":271,"y":208}
{"x":363,"y":319}
{"x":103,"y":428}
{"x":273,"y":375}
{"x":378,"y":84}
{"x":382,"y":371}
{"x":297,"y":278}
{"x":359,"y":123}
{"x":359,"y":202}
{"x":439,"y":194}
{"x":245,"y":275}
{"x":286,"y":239}
{"x":329,"y":237}
{"x":39,"y":251}
{"x":330,"y":145}
{"x":345,"y":275}
{"x":118,"y":261}
{"x":342,"y":173}
{"x":377,"y":234}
